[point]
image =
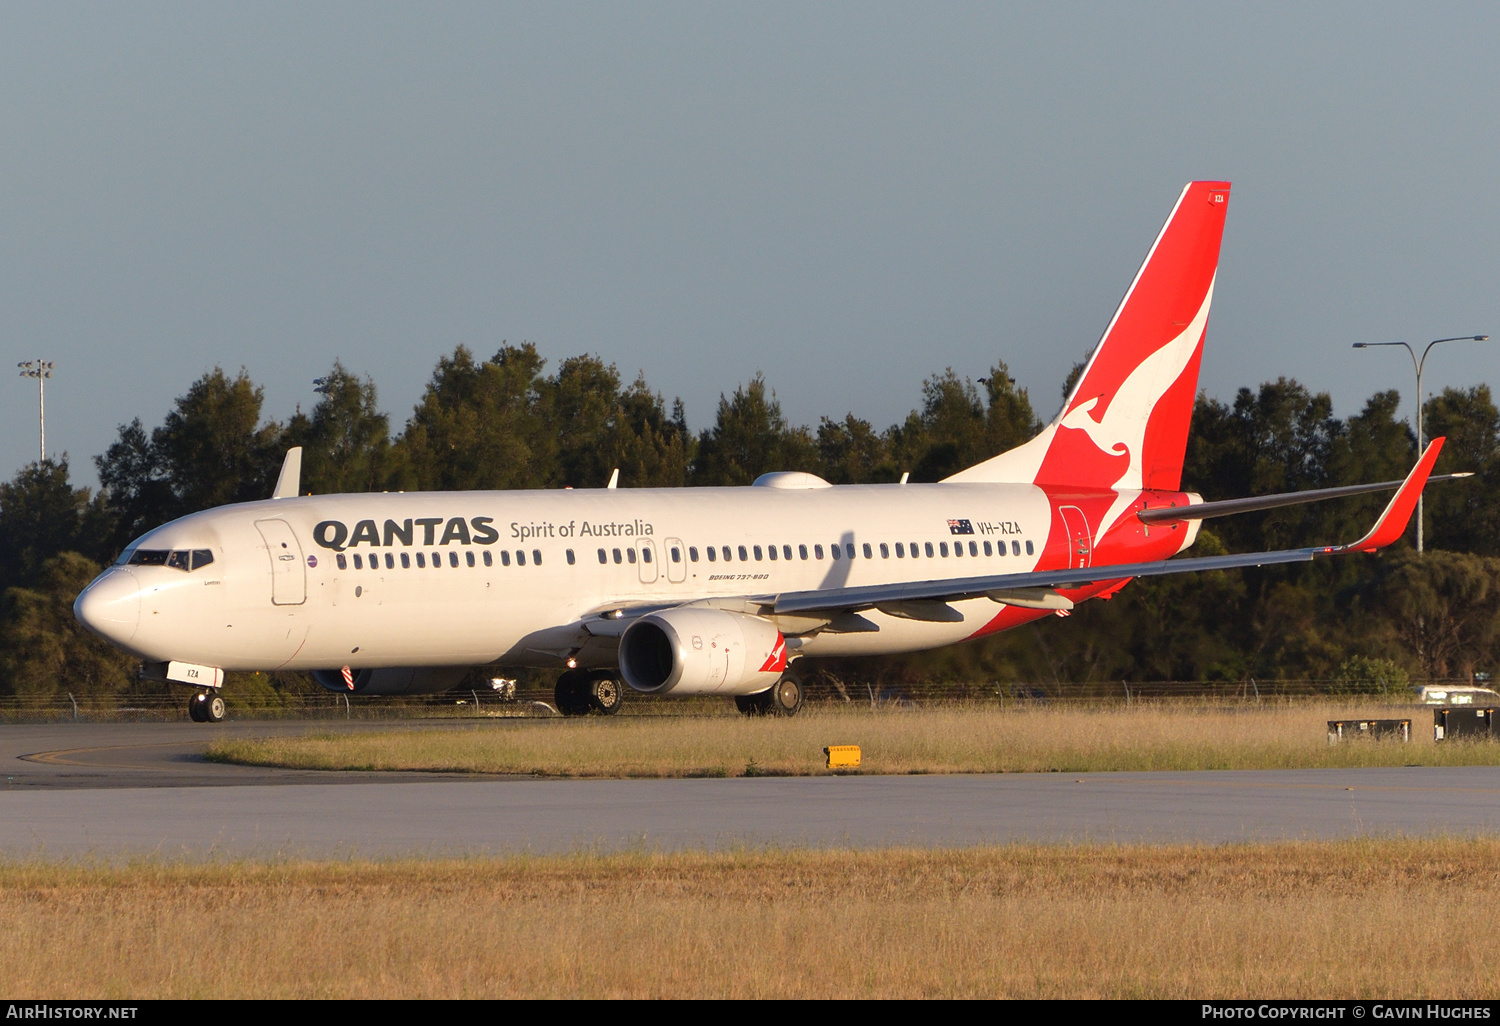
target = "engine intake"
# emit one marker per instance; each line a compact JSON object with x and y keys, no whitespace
{"x":691,"y":651}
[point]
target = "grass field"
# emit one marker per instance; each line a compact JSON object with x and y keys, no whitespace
{"x":1387,"y":919}
{"x":962,"y":739}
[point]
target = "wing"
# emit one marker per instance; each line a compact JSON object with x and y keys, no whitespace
{"x":1039,"y":588}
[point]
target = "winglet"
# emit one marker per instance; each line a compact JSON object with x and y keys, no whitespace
{"x":290,"y":481}
{"x":1392,"y":523}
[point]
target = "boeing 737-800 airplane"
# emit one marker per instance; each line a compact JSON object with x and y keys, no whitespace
{"x":694,"y":591}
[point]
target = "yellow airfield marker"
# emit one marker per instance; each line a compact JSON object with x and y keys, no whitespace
{"x":842,"y":756}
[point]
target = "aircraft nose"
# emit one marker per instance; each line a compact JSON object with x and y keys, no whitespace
{"x":111,"y":606}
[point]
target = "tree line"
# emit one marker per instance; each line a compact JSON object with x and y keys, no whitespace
{"x":505,"y":422}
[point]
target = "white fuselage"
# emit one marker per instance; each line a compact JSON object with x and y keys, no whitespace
{"x":473,"y":578}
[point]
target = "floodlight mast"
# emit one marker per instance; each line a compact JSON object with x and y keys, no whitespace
{"x":1419,"y":364}
{"x":41,"y":370}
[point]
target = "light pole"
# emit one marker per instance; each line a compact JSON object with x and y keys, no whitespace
{"x":41,"y":370}
{"x":1419,"y":364}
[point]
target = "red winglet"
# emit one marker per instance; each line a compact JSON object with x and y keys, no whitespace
{"x":1392,"y":523}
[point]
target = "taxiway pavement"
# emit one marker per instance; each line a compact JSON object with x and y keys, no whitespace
{"x":110,"y":791}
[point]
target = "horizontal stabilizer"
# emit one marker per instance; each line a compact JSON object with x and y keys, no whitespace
{"x":1023,"y":586}
{"x":1228,"y":507}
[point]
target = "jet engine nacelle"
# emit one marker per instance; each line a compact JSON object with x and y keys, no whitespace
{"x":393,"y":680}
{"x":692,"y":651}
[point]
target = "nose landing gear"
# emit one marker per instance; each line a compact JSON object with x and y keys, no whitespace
{"x":206,"y":707}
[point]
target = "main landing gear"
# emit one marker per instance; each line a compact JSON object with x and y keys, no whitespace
{"x":581,"y":692}
{"x":206,"y":707}
{"x":782,"y":699}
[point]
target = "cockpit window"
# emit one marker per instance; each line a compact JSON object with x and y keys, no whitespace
{"x":178,"y":559}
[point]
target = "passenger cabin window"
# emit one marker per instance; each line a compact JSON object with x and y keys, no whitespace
{"x":676,"y":554}
{"x":536,"y":557}
{"x":885,"y":551}
{"x":987,"y":551}
{"x":849,"y":550}
{"x":359,"y":564}
{"x":645,"y":554}
{"x":801,"y":551}
{"x":713,"y":553}
{"x":771,"y":551}
{"x":817,"y":552}
{"x":693,"y":553}
{"x":390,"y":561}
{"x":835,"y":549}
{"x":973,"y":548}
{"x":505,"y":557}
{"x":1029,"y":551}
{"x":603,"y":558}
{"x":786,"y":551}
{"x":343,"y":563}
{"x":1015,"y":548}
{"x":744,"y":554}
{"x":929,"y":550}
{"x":489,"y":560}
{"x":469,"y":557}
{"x":727,"y":556}
{"x":571,"y":560}
{"x":868,"y":553}
{"x":900,"y":551}
{"x":616,"y":553}
{"x":630,"y":555}
{"x":520,"y":558}
{"x":405,"y":561}
{"x":421,"y":561}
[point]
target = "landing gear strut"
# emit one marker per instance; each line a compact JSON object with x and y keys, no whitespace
{"x":581,"y":692}
{"x":782,"y":699}
{"x":206,"y":707}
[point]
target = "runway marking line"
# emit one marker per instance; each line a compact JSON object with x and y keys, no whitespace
{"x":57,"y":758}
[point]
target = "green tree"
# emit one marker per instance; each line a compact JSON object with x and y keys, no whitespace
{"x":1444,"y":607}
{"x":210,"y":450}
{"x":479,"y":425}
{"x":852,"y":452}
{"x":43,"y":649}
{"x":750,"y":437}
{"x":1465,"y":515}
{"x":42,"y":514}
{"x":346,"y":442}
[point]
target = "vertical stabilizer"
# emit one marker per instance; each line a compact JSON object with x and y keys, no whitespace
{"x":1125,"y":425}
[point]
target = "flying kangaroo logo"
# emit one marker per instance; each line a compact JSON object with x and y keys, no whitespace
{"x":1121,"y":429}
{"x":776,"y":661}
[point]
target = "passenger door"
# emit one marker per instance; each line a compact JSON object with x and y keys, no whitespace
{"x":647,"y":562}
{"x":1080,"y":545}
{"x":675,"y":553}
{"x":288,"y":575}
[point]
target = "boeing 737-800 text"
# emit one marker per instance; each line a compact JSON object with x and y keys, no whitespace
{"x":694,"y":591}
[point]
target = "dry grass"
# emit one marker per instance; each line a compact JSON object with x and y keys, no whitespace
{"x":976,"y":739}
{"x":1348,"y":919}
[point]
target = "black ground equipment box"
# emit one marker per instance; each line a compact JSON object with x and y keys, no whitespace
{"x":1468,"y":721}
{"x":1385,"y":730}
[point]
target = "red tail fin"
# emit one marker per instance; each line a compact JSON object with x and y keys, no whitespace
{"x":1126,"y":423}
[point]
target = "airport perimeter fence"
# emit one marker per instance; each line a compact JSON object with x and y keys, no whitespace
{"x":536,"y":701}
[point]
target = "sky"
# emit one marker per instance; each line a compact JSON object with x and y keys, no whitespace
{"x":847,"y":197}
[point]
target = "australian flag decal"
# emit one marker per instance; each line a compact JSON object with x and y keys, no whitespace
{"x":960,"y":527}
